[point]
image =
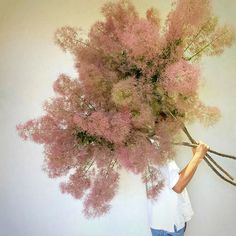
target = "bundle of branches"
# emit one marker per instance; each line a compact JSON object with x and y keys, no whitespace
{"x":137,"y":86}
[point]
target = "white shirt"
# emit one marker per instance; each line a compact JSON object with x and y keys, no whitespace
{"x":170,"y":207}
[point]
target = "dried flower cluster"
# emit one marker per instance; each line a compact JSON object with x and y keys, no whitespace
{"x":134,"y":77}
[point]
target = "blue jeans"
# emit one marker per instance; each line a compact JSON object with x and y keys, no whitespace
{"x":160,"y":232}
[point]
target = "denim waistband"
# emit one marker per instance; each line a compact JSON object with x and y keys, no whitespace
{"x":160,"y":232}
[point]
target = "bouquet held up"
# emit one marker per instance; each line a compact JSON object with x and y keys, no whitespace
{"x":136,"y":89}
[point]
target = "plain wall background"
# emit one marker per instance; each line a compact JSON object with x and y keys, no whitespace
{"x":31,"y":203}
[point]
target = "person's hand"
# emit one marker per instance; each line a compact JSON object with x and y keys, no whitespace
{"x":200,"y":151}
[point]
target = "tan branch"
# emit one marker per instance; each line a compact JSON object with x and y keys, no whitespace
{"x":185,"y":130}
{"x":210,"y":150}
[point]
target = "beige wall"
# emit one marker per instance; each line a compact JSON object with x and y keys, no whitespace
{"x":30,"y":203}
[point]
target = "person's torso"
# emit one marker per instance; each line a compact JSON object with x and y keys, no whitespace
{"x":170,"y":207}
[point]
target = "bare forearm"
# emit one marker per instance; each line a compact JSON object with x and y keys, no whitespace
{"x":186,"y":174}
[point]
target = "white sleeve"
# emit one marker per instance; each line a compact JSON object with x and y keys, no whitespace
{"x":173,"y":174}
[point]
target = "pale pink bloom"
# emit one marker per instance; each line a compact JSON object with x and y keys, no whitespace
{"x":113,"y":127}
{"x":165,"y":130}
{"x":134,"y":157}
{"x":125,"y":94}
{"x":186,"y":18}
{"x":61,"y":85}
{"x":77,"y":185}
{"x":141,"y":38}
{"x":41,"y":130}
{"x":102,"y":191}
{"x":102,"y":155}
{"x":208,"y":115}
{"x":154,"y":182}
{"x":143,"y":117}
{"x":181,"y":77}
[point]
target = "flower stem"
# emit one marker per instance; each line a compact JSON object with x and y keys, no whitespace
{"x":206,"y":46}
{"x":196,"y":35}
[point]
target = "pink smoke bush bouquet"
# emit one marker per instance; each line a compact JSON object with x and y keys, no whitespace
{"x":137,"y":84}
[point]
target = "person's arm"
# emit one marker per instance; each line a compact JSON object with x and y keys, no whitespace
{"x":186,"y":174}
